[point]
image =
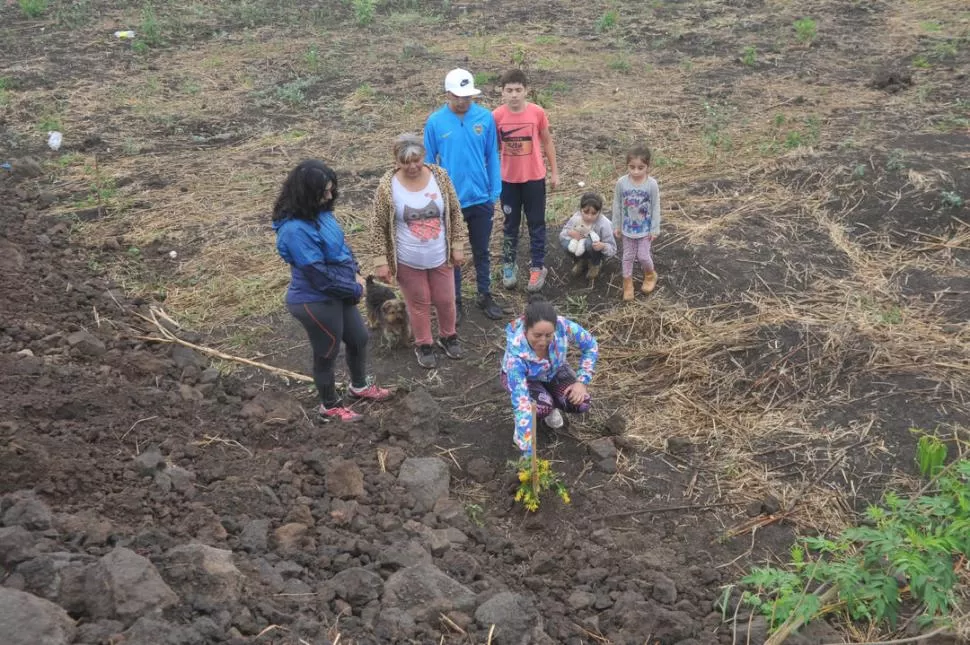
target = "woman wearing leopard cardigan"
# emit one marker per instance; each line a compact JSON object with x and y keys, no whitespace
{"x":416,"y":218}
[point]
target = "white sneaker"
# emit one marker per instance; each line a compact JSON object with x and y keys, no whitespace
{"x":554,"y":419}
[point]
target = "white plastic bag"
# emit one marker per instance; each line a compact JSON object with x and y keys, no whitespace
{"x":54,"y":140}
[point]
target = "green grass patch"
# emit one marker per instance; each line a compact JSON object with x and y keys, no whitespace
{"x":33,"y":8}
{"x":607,"y":21}
{"x":806,"y":30}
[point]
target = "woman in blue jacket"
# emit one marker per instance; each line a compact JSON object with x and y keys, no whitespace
{"x":325,"y":287}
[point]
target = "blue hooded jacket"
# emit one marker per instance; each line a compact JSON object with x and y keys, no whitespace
{"x":322,"y":266}
{"x":467,"y":147}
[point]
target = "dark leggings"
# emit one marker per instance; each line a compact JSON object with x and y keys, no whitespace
{"x":328,"y":323}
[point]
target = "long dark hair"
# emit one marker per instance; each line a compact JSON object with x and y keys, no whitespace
{"x":539,"y":310}
{"x":302,"y":194}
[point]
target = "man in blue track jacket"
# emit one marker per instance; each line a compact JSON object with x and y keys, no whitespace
{"x":461,"y":137}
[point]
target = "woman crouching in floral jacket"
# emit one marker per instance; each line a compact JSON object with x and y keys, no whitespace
{"x":534,"y":368}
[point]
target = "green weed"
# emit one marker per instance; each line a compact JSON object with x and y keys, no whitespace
{"x":558,"y":87}
{"x":484,"y":78}
{"x":620,"y":64}
{"x":150,"y":29}
{"x":607,"y":21}
{"x":921,"y":62}
{"x":951,"y":199}
{"x":294,"y":92}
{"x":716,"y":118}
{"x":33,"y":8}
{"x":896,"y":160}
{"x":49,"y":122}
{"x":76,"y":13}
{"x":364,"y":11}
{"x":312,"y":58}
{"x":476,"y":514}
{"x":859,"y":171}
{"x":793,"y":140}
{"x":547,"y":40}
{"x":945,"y":50}
{"x":518,"y":56}
{"x":905,"y":546}
{"x":749,"y":56}
{"x":931,"y":26}
{"x":806,"y":29}
{"x":891,"y":316}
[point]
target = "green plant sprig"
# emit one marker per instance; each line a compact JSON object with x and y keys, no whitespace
{"x":527,"y":494}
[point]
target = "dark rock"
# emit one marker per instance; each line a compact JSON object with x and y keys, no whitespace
{"x":344,"y":479}
{"x":125,"y":585}
{"x":394,"y":624}
{"x":290,"y":538}
{"x":86,"y":343}
{"x":607,"y":466}
{"x":16,"y":545}
{"x":402,"y":555}
{"x":580,"y":600}
{"x":424,"y":591}
{"x":480,"y":470}
{"x":26,"y":619}
{"x":664,"y":589}
{"x":254,"y":536}
{"x":185,"y":356}
{"x":150,"y":461}
{"x":513,"y":616}
{"x":770,"y":505}
{"x":202,"y":575}
{"x":99,"y":632}
{"x":58,"y":577}
{"x":419,"y":418}
{"x":357,"y":586}
{"x":272,"y":405}
{"x":616,"y":424}
{"x":602,"y":448}
{"x":427,"y":479}
{"x":591,"y":575}
{"x":28,"y":511}
{"x":753,"y":509}
{"x":155,"y":631}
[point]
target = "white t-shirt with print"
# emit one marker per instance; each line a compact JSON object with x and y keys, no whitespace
{"x":420,"y":228}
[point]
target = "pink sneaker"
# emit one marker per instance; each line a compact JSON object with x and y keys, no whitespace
{"x":339,"y":413}
{"x":370,"y":392}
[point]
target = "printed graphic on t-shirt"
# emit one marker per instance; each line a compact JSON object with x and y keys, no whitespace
{"x":516,"y":139}
{"x":425,"y":222}
{"x":637,"y":210}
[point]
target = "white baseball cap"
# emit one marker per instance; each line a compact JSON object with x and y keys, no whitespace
{"x":460,"y":82}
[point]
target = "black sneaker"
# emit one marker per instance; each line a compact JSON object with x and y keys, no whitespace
{"x":450,"y":346}
{"x":426,"y":356}
{"x":487,"y":304}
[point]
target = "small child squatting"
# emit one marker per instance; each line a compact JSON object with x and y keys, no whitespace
{"x":636,"y":218}
{"x":589,"y":218}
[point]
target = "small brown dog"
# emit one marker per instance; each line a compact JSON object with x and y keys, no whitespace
{"x":387,"y":312}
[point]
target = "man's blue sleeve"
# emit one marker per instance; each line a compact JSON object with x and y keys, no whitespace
{"x":492,"y":162}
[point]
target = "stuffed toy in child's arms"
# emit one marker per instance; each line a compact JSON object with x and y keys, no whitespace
{"x":578,"y":247}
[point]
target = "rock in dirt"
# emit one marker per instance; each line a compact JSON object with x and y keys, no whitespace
{"x":26,"y":619}
{"x":664,"y":589}
{"x":403,"y":555}
{"x":11,"y":257}
{"x":125,"y":585}
{"x":427,"y":479}
{"x":58,"y":577}
{"x":177,"y":478}
{"x":28,"y":511}
{"x":357,"y":586}
{"x":480,"y":470}
{"x":420,"y":415}
{"x":289,"y":538}
{"x":394,"y":624}
{"x":607,"y":466}
{"x":424,"y":591}
{"x":513,"y":616}
{"x":615,"y":425}
{"x":202,"y":575}
{"x":86,"y":343}
{"x":274,"y":406}
{"x":16,"y":545}
{"x":99,"y":632}
{"x":344,"y":479}
{"x":185,"y":356}
{"x":579,"y":599}
{"x":254,"y":536}
{"x":26,"y":167}
{"x":154,"y":631}
{"x":602,"y":448}
{"x":149,"y":461}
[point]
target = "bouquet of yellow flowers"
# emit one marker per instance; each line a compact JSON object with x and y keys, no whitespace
{"x":530,"y":488}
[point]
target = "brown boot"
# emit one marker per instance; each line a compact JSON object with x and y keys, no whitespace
{"x":649,"y":282}
{"x":627,"y":289}
{"x":594,"y":272}
{"x":578,"y":267}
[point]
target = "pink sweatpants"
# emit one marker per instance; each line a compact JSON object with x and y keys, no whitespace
{"x":423,"y":288}
{"x":636,"y":249}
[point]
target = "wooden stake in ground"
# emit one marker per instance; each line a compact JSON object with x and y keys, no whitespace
{"x":535,"y":462}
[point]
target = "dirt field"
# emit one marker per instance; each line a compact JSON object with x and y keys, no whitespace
{"x":811,"y":315}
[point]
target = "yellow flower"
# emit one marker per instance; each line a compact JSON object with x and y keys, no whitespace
{"x":518,"y":495}
{"x":524,"y":476}
{"x":565,"y":497}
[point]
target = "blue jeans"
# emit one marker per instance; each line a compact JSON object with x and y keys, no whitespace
{"x":478,"y":218}
{"x":531,"y":197}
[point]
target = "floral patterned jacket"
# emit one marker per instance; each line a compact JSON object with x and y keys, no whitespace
{"x":520,"y":364}
{"x":384,"y":218}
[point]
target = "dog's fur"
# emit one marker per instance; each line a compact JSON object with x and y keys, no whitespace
{"x":387,"y":312}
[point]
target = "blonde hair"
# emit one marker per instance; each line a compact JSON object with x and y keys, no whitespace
{"x":408,"y":146}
